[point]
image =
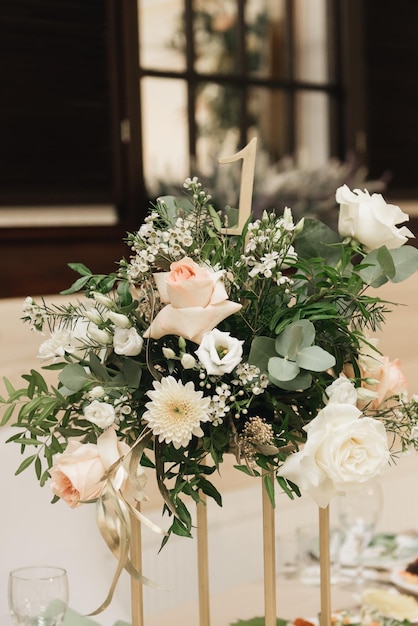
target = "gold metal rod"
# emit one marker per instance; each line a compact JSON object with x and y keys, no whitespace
{"x":269,"y":546}
{"x":203,"y":561}
{"x":324,"y":560}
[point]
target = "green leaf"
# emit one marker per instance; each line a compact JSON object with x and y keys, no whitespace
{"x":210,"y":490}
{"x":80,"y":268}
{"x":386,"y":262}
{"x":73,"y":377}
{"x":179,"y":529}
{"x":124,"y":293}
{"x":294,"y":337}
{"x":9,"y":387}
{"x":315,"y":359}
{"x":282,"y":369}
{"x":302,"y":381}
{"x":405,"y":259}
{"x":262,"y":349}
{"x":7,"y":414}
{"x":25,"y":464}
{"x":317,"y":240}
{"x":29,"y":441}
{"x":133,"y":372}
{"x":97,"y":368}
{"x":38,"y":468}
{"x":76,"y":286}
{"x":269,"y":487}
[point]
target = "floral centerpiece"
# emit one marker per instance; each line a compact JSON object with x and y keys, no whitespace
{"x":203,"y":344}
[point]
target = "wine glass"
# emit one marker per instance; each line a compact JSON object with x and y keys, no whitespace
{"x":38,"y":596}
{"x":358,"y":514}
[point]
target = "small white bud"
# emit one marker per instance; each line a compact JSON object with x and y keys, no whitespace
{"x":104,"y":300}
{"x":102,"y":337}
{"x":188,"y":361}
{"x":169,"y":353}
{"x":93,"y":315}
{"x":119,"y":320}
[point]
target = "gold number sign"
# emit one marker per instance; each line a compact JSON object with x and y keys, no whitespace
{"x":247,"y":155}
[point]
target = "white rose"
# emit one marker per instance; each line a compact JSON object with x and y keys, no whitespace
{"x":219,"y":353}
{"x":370,"y":220}
{"x":342,"y":391}
{"x":343,"y":450}
{"x":127,"y":341}
{"x":100,"y":413}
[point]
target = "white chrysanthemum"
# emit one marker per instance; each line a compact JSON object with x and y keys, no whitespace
{"x":176,"y":411}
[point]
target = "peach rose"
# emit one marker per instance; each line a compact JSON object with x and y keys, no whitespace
{"x":77,"y":473}
{"x":197,"y":301}
{"x":391,"y":382}
{"x":385,"y":378}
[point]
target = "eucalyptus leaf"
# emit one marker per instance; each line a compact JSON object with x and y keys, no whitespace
{"x":315,"y":358}
{"x":317,"y":240}
{"x":302,"y":381}
{"x":405,"y":259}
{"x":73,"y":377}
{"x":386,"y":262}
{"x":262,"y":349}
{"x":282,"y":369}
{"x":372,"y":273}
{"x":294,"y":337}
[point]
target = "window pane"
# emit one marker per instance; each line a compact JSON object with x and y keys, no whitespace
{"x":216,"y":36}
{"x":311,"y":40}
{"x":217,"y":118}
{"x":312,"y":141}
{"x":266,"y":37}
{"x":269,"y":115}
{"x":161,"y":34}
{"x":165,"y":141}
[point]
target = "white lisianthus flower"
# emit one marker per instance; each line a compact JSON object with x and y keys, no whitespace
{"x":100,"y":413}
{"x":188,"y":361}
{"x":59,"y":344}
{"x":370,"y":220}
{"x":219,"y":353}
{"x":343,"y":450}
{"x":127,"y":341}
{"x":119,"y":320}
{"x":176,"y":411}
{"x":341,"y":390}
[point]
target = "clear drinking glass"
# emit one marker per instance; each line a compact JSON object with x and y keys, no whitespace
{"x":358,"y":514}
{"x":38,"y":596}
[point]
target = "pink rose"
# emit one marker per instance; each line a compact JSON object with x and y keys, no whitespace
{"x":197,"y":301}
{"x":391,"y":382}
{"x":77,"y":473}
